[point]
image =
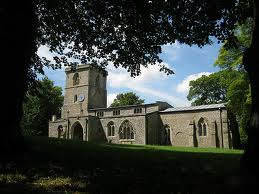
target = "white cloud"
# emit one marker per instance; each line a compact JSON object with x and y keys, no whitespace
{"x":120,"y":78}
{"x":173,"y":100}
{"x":110,"y":98}
{"x":43,"y":51}
{"x":184,"y":87}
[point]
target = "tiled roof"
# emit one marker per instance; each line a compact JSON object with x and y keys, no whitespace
{"x":189,"y":108}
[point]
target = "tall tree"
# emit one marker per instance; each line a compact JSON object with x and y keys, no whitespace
{"x":39,"y":105}
{"x":128,"y":33}
{"x":128,"y":98}
{"x":239,"y":93}
{"x":212,"y":89}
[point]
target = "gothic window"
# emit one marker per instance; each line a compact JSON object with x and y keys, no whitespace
{"x":167,"y":135}
{"x":126,"y":131}
{"x":76,"y":79}
{"x":137,"y":110}
{"x":116,"y":112}
{"x":60,"y":131}
{"x":202,"y":128}
{"x":75,"y":98}
{"x":110,"y":129}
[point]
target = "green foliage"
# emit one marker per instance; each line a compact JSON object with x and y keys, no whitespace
{"x":239,"y":95}
{"x":212,"y":89}
{"x":239,"y":92}
{"x":232,"y":58}
{"x":128,"y":98}
{"x":39,"y":105}
{"x":130,"y":33}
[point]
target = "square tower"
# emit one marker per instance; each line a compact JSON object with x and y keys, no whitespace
{"x":85,"y":89}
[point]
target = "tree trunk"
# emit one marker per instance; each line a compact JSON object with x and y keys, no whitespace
{"x":234,"y":129}
{"x":17,"y":42}
{"x":250,"y":160}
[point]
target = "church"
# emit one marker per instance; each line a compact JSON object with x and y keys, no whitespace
{"x":85,"y":116}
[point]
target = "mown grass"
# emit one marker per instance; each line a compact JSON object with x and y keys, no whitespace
{"x":66,"y":166}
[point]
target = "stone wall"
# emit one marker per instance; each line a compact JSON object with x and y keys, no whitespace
{"x":138,"y":123}
{"x":153,"y":128}
{"x":97,"y":89}
{"x":92,"y":84}
{"x":184,"y":128}
{"x":96,"y":132}
{"x":70,"y":107}
{"x":53,"y":128}
{"x":129,"y":110}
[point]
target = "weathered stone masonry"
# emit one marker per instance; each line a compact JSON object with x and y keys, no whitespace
{"x":85,"y":116}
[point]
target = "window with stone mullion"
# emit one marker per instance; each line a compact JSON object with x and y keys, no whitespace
{"x":112,"y":130}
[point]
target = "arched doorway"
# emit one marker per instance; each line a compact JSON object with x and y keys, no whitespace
{"x":77,"y":131}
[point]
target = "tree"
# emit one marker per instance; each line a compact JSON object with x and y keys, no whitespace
{"x":232,"y":58}
{"x":239,"y":102}
{"x":239,"y":92}
{"x":212,"y":89}
{"x":128,"y":98}
{"x":128,"y":33}
{"x":39,"y":105}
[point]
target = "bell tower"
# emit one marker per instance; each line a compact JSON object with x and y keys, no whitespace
{"x":85,"y":89}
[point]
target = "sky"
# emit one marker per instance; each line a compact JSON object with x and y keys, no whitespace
{"x":188,"y":63}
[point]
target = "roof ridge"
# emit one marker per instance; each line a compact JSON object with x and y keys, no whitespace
{"x":199,"y":107}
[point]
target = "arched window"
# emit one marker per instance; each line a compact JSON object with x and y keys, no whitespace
{"x":167,"y":135}
{"x":60,"y":131}
{"x":110,"y":129}
{"x":126,"y":130}
{"x":75,"y":98}
{"x":202,"y":128}
{"x":76,"y":79}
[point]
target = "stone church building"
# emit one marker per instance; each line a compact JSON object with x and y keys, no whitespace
{"x":85,"y":116}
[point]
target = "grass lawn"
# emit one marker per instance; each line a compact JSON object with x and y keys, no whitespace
{"x":64,"y":166}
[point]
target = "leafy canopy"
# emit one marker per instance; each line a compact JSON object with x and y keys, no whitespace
{"x":129,"y":33}
{"x":128,"y":98}
{"x":212,"y":89}
{"x":39,"y":105}
{"x":232,"y":58}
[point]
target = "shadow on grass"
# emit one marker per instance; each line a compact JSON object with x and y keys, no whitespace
{"x":57,"y":165}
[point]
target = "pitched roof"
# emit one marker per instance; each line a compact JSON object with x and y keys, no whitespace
{"x":190,"y":108}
